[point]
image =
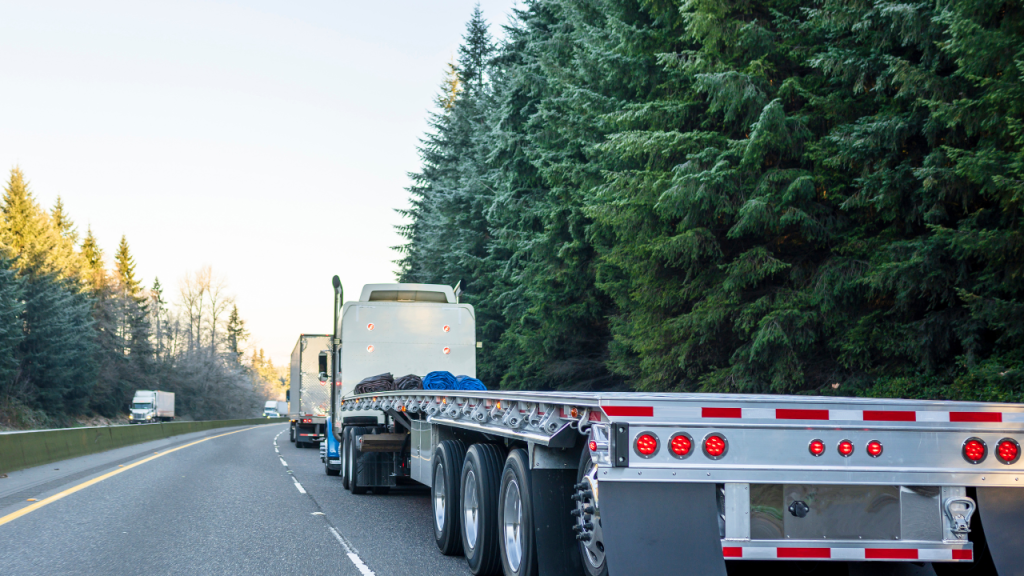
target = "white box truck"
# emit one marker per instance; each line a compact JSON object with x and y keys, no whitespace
{"x":308,"y":395}
{"x":596,"y":483}
{"x":151,"y":406}
{"x":274,"y":409}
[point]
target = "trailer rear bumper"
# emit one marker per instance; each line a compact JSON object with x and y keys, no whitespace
{"x":860,"y":551}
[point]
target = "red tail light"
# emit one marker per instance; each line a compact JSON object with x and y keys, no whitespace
{"x":846,"y":448}
{"x":646,"y":444}
{"x":1008,"y":451}
{"x":974,"y":450}
{"x":593,"y":446}
{"x":816,"y":447}
{"x":715,"y":446}
{"x":681,"y":445}
{"x":874,"y":448}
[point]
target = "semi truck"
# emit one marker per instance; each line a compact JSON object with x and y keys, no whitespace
{"x":308,"y":395}
{"x":527,"y":483}
{"x":151,"y":406}
{"x":274,"y":409}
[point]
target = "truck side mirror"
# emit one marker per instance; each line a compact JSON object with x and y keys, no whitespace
{"x":323,"y":363}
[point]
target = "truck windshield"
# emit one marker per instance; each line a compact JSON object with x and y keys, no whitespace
{"x":141,"y":406}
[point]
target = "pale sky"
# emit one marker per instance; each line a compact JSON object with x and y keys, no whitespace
{"x":269,"y":140}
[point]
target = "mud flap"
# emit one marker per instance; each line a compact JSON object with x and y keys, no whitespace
{"x":557,"y":551}
{"x":661,"y":528}
{"x":1002,"y":514}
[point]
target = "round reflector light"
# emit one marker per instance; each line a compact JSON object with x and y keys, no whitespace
{"x":816,"y":447}
{"x":681,"y":445}
{"x":446,"y":328}
{"x":646,"y":445}
{"x":974,"y":450}
{"x":370,"y":326}
{"x":593,"y":446}
{"x":447,"y":350}
{"x":874,"y":448}
{"x":715,"y":446}
{"x":369,"y":348}
{"x":845,"y":448}
{"x":1008,"y":451}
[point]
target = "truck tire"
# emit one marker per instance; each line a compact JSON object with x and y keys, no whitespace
{"x":446,"y":472}
{"x":291,"y":433}
{"x":481,"y":476}
{"x":515,"y":516}
{"x":592,"y":550}
{"x":346,"y":434}
{"x":353,"y":467}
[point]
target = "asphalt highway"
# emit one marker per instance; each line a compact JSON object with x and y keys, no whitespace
{"x":239,"y":501}
{"x":227,"y":501}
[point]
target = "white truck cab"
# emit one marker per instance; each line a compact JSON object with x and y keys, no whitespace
{"x":151,"y":406}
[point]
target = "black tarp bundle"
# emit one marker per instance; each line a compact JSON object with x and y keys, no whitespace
{"x":409,"y":382}
{"x":379,"y":383}
{"x":386,"y":382}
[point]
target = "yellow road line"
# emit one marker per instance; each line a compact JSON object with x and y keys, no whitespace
{"x":86,"y":484}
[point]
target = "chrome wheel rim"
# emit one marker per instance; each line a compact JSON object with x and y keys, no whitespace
{"x":512,"y":524}
{"x":470,"y":509}
{"x":439,"y":497}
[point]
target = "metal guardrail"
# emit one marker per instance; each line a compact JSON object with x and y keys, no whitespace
{"x":30,"y":448}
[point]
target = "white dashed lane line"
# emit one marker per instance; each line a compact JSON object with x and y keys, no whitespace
{"x":364,"y":570}
{"x":362,"y":567}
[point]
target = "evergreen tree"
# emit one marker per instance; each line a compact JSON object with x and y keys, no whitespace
{"x":158,"y":311}
{"x":92,"y":254}
{"x":126,"y":269}
{"x":748,"y":197}
{"x":58,"y":347}
{"x":12,"y":308}
{"x":236,"y":333}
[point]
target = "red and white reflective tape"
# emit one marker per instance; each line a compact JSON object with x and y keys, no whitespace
{"x":720,"y":412}
{"x":889,"y":554}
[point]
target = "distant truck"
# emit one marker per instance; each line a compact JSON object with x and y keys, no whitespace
{"x":151,"y":406}
{"x":274,"y":409}
{"x":309,"y":396}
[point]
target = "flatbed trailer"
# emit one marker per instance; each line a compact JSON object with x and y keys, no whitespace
{"x":528,"y":483}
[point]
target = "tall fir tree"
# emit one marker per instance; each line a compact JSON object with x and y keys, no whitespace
{"x":236,"y":333}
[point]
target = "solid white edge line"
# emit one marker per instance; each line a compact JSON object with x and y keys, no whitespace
{"x":300,"y":488}
{"x":362,"y":567}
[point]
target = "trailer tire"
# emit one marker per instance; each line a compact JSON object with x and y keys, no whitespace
{"x":481,"y":477}
{"x":515,"y":516}
{"x":291,"y":432}
{"x":589,"y":567}
{"x":446,"y":472}
{"x":346,"y":434}
{"x":353,"y":467}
